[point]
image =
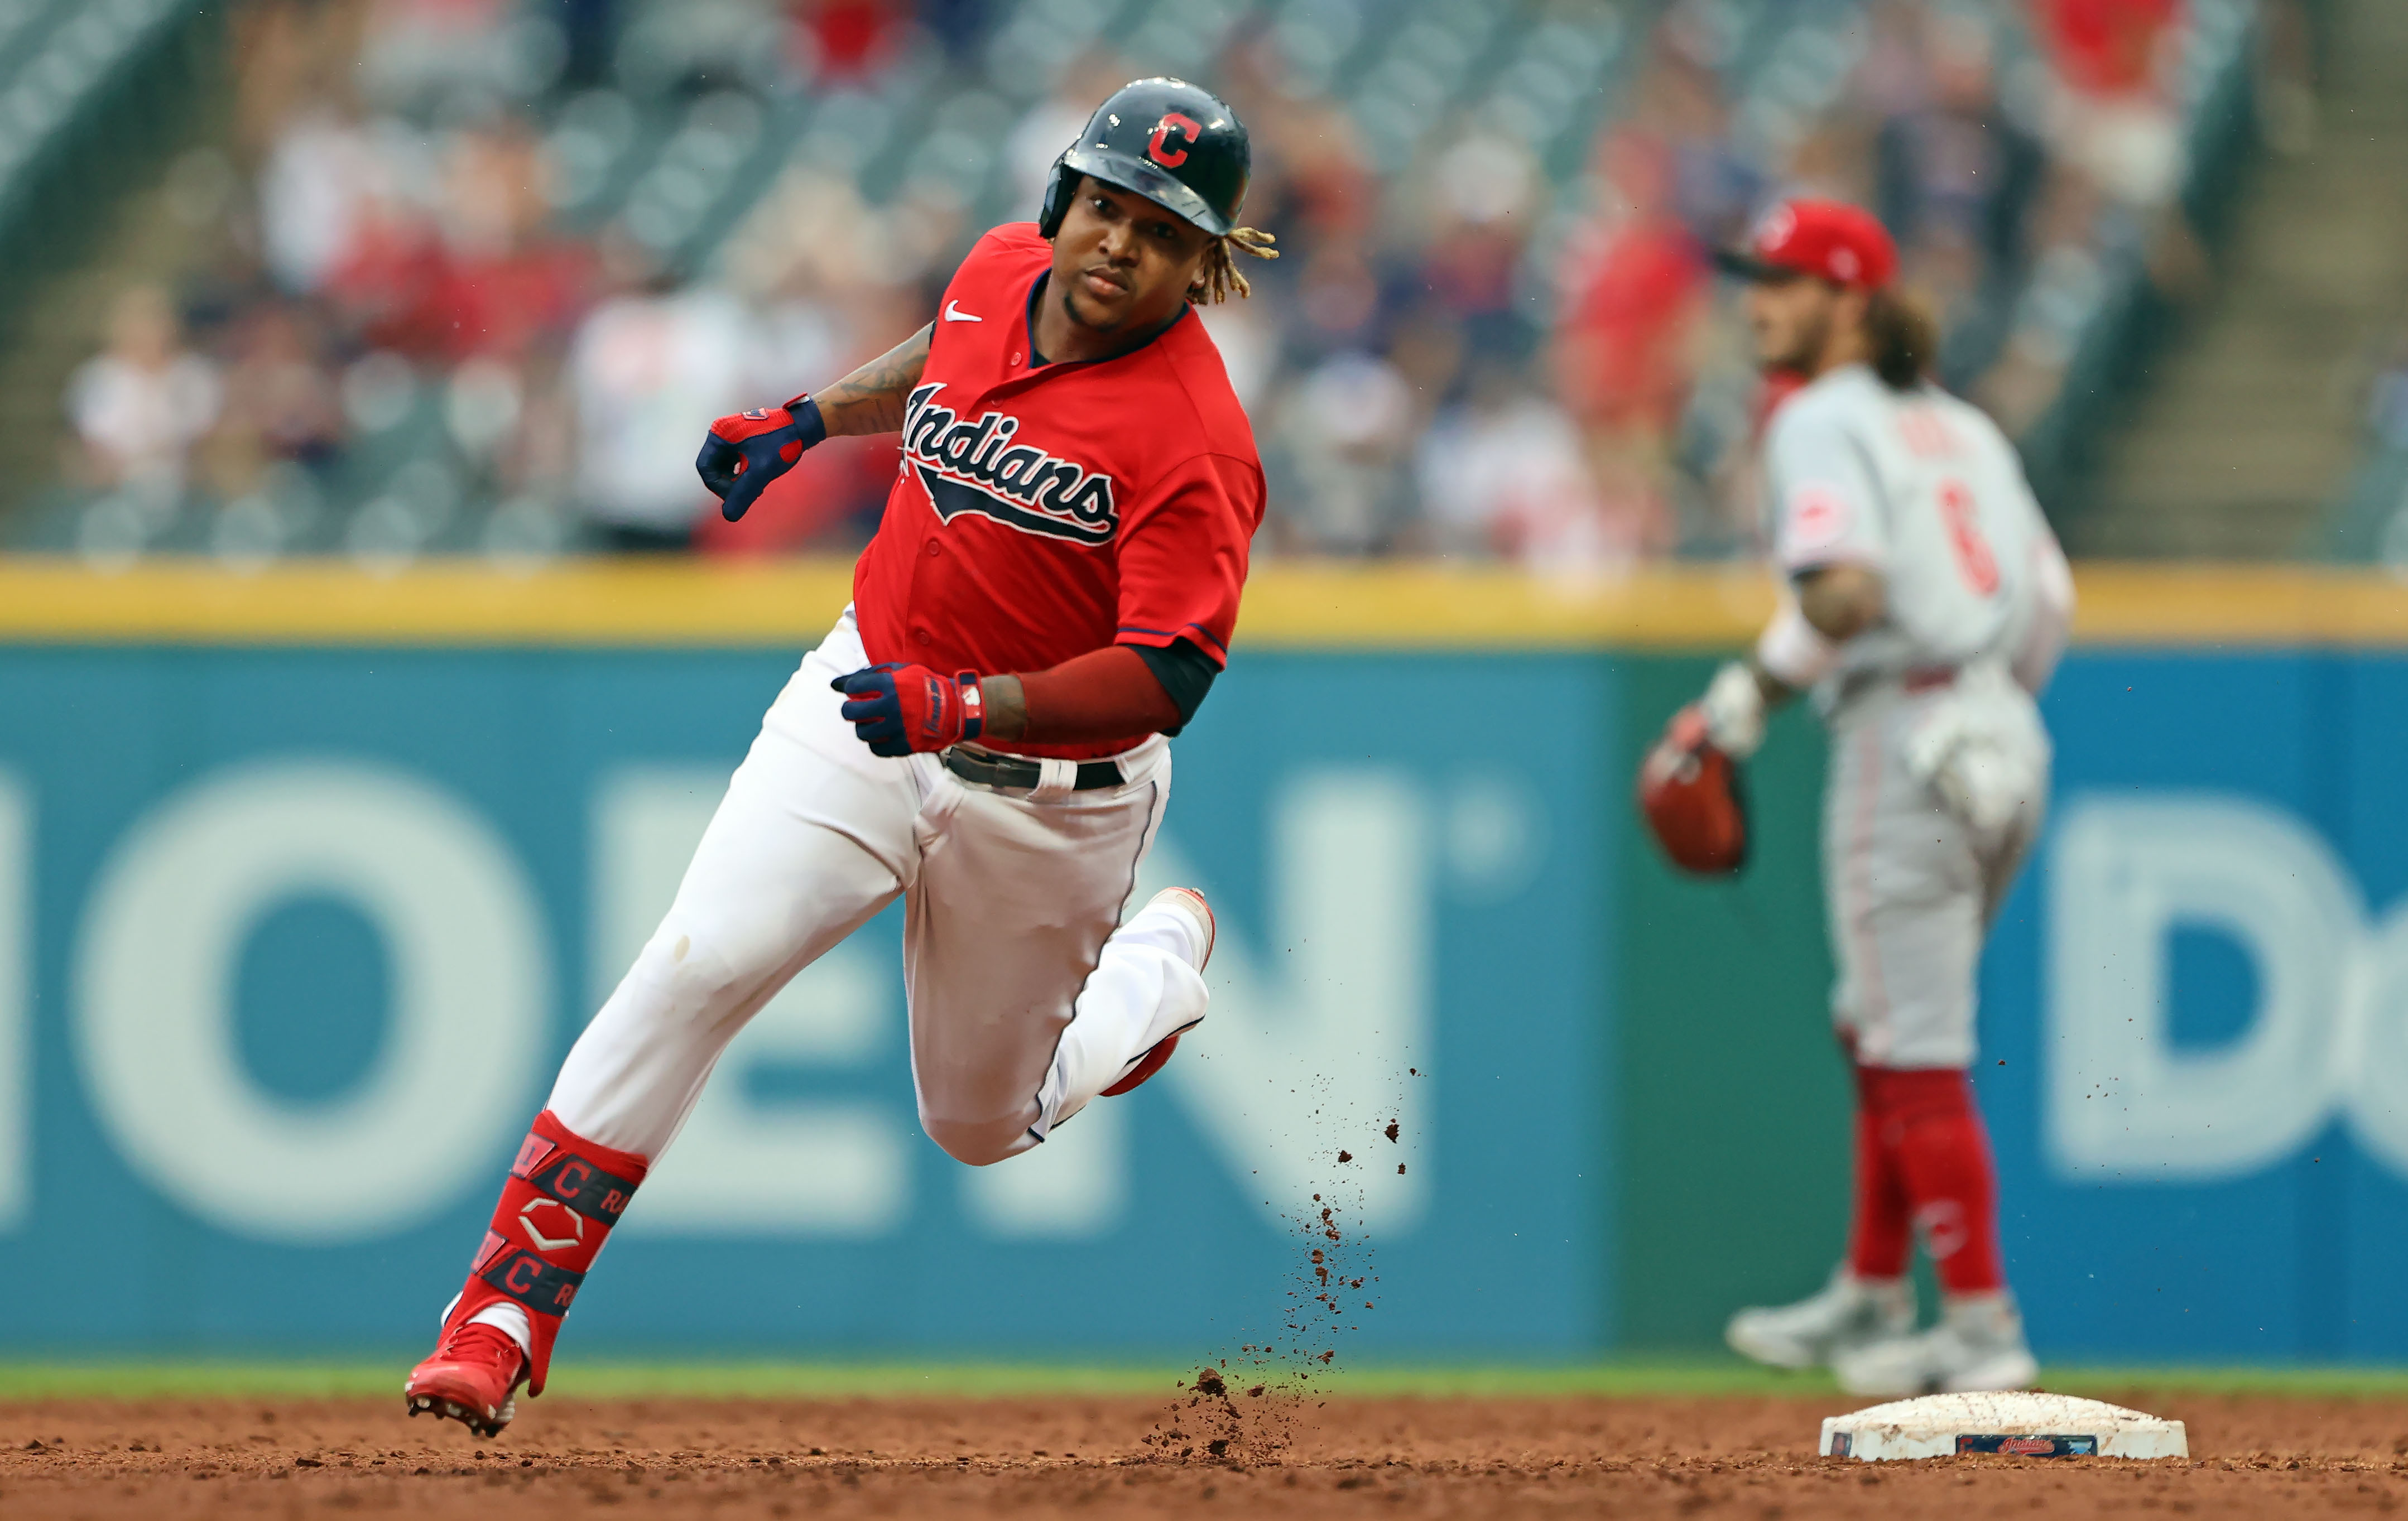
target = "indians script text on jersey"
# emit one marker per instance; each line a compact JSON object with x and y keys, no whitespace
{"x":1040,"y":511}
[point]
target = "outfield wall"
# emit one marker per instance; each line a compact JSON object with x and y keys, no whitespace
{"x":306,"y":880}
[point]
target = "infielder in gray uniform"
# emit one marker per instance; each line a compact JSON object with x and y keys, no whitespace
{"x":1924,"y":602}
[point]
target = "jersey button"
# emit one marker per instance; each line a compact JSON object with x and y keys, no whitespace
{"x":920,"y":637}
{"x":933,"y":551}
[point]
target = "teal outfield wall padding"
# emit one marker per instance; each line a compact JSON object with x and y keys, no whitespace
{"x":1734,"y":1177}
{"x":291,"y":940}
{"x":2194,"y":1058}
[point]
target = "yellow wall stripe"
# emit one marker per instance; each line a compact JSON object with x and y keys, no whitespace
{"x":330,"y":602}
{"x":1288,"y":606}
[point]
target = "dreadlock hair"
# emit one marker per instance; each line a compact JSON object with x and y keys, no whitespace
{"x":1220,"y":275}
{"x":1902,"y":337}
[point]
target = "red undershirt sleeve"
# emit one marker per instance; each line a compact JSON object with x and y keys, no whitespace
{"x":1182,"y":563}
{"x":1106,"y":694}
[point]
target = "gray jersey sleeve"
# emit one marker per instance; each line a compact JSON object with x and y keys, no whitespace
{"x":2049,"y":618}
{"x":1825,"y":503}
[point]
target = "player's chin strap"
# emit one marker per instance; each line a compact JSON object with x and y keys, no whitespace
{"x":564,"y":1192}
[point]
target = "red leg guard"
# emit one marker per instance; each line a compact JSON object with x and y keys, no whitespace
{"x":1930,"y":1127}
{"x":563,"y":1196}
{"x":1877,"y":1233}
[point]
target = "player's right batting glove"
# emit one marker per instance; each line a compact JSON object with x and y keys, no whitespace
{"x":897,"y":708}
{"x":747,"y":451}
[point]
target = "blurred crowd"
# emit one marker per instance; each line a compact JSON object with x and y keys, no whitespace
{"x":472,"y":276}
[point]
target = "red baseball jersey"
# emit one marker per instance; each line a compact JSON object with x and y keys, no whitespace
{"x":1040,"y":511}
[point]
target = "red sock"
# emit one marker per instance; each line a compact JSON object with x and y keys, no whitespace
{"x":1931,"y":1131}
{"x":1877,"y":1234}
{"x":562,"y":1195}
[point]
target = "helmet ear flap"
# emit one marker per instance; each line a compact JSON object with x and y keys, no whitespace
{"x":1058,"y":191}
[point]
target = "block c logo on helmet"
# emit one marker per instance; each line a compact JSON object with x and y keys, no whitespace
{"x":1187,"y":128}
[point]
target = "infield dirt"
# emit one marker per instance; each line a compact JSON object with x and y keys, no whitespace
{"x":1087,"y":1455}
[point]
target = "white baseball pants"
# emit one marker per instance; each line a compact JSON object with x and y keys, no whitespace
{"x":1910,"y":885}
{"x":1027,"y":996}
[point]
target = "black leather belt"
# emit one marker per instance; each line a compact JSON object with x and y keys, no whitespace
{"x":991,"y":771}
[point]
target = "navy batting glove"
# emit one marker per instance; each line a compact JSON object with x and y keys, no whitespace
{"x":897,"y":708}
{"x":745,"y":453}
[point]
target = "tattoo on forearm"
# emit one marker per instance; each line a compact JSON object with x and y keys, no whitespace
{"x":870,"y":399}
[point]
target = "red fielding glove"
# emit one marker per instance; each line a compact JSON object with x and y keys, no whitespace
{"x":897,"y":708}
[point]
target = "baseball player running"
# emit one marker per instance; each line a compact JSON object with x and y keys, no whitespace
{"x":1924,"y":602}
{"x":984,"y":733}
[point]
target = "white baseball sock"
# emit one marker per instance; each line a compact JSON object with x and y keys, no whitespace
{"x":511,"y":1319}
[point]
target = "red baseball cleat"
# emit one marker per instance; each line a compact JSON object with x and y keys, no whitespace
{"x":1147,"y":1065}
{"x":472,"y":1378}
{"x":1189,"y":902}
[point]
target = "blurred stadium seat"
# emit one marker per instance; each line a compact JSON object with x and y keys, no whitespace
{"x":465,"y":277}
{"x":55,"y":57}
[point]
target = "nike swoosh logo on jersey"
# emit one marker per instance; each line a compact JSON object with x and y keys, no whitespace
{"x":973,"y":465}
{"x":953,"y":313}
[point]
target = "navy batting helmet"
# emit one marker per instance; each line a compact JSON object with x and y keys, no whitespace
{"x":1172,"y":143}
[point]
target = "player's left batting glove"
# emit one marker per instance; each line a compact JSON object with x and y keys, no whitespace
{"x":747,"y":451}
{"x":897,"y":708}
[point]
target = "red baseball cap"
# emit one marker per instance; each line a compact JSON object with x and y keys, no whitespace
{"x":1827,"y":239}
